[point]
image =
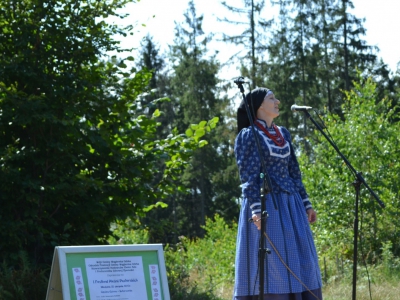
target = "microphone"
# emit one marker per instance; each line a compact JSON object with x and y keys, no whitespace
{"x":240,"y":80}
{"x":300,"y":108}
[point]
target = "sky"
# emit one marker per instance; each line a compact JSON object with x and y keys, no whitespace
{"x":159,"y":16}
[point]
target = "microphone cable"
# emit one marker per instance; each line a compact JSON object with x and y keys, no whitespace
{"x":288,"y":268}
{"x":362,"y":252}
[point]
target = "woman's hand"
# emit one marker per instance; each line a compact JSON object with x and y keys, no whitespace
{"x":257,"y":220}
{"x":312,"y":215}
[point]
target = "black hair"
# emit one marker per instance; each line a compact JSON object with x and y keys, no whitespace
{"x":254,"y":100}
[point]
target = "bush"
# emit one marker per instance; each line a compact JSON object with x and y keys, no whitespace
{"x":200,"y":269}
{"x":208,"y":263}
{"x":181,"y":287}
{"x":128,"y":232}
{"x":24,"y":282}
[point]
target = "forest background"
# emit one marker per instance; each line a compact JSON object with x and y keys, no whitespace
{"x":137,"y":146}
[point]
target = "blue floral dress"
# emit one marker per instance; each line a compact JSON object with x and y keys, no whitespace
{"x":287,"y":226}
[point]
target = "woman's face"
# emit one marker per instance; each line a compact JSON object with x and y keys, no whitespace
{"x":270,"y":106}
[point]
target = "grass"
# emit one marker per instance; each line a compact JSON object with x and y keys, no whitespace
{"x":384,"y":290}
{"x":382,"y":285}
{"x":343,"y":289}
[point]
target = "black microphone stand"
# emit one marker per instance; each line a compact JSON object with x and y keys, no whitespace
{"x":265,"y":189}
{"x":357,"y":183}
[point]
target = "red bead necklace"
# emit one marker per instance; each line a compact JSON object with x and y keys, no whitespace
{"x":278,"y":139}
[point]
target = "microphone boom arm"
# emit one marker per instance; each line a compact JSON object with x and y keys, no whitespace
{"x":358,"y":174}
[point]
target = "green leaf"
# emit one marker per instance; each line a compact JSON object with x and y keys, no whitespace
{"x":194,"y":126}
{"x":158,"y":204}
{"x":156,"y":113}
{"x":202,"y":143}
{"x":199,"y":133}
{"x":213,"y":122}
{"x":189,"y":132}
{"x":100,"y":123}
{"x":202,"y":123}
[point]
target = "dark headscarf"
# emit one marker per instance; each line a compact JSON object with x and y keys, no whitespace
{"x":254,"y":99}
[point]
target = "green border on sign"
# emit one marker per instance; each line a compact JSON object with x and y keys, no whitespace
{"x":62,"y":284}
{"x":77,"y":260}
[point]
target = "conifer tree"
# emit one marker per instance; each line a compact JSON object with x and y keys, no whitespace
{"x":190,"y":82}
{"x":280,"y":67}
{"x":252,"y":39}
{"x":151,"y":59}
{"x":351,"y":52}
{"x":314,"y":53}
{"x":194,"y":87}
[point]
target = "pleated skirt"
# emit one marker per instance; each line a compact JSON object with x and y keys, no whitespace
{"x":292,"y":244}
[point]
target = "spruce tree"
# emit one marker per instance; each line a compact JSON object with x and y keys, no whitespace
{"x":313,"y":56}
{"x":251,"y":40}
{"x":351,"y":52}
{"x":280,"y":67}
{"x":194,"y":87}
{"x":151,"y":59}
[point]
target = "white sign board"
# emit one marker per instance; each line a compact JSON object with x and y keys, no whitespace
{"x":118,"y":272}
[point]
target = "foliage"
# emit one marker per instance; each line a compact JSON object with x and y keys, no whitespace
{"x":181,"y":286}
{"x":77,"y":148}
{"x":151,"y":60}
{"x":389,"y":263}
{"x":216,"y":249}
{"x":368,"y":137}
{"x":194,"y":93}
{"x":314,"y":52}
{"x":197,"y":268}
{"x":381,"y":278}
{"x":126,"y":232}
{"x":22,"y":282}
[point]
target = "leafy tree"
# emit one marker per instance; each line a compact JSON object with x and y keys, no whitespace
{"x":77,"y":150}
{"x":368,"y":137}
